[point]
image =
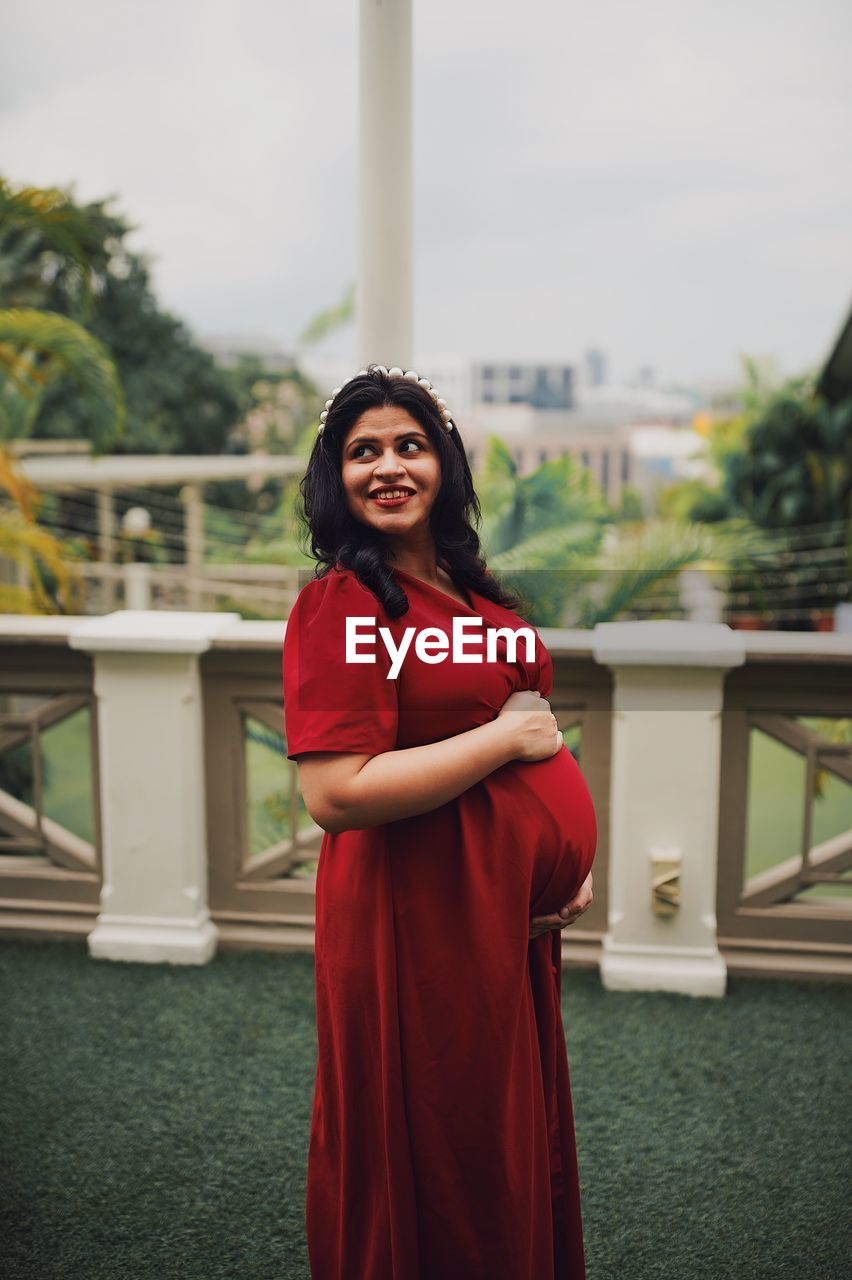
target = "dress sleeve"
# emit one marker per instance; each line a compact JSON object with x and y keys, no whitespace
{"x":544,"y":681}
{"x":329,"y":704}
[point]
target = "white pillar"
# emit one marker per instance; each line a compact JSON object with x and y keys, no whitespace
{"x":702,"y":600}
{"x":385,"y":273}
{"x":843,"y":618}
{"x":664,"y":800}
{"x":151,"y":751}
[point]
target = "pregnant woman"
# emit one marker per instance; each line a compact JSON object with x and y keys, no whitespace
{"x":459,"y":842}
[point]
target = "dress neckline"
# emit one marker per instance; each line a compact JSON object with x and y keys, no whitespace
{"x":437,"y":590}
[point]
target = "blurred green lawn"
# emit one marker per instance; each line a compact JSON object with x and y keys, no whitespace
{"x":155,"y":1120}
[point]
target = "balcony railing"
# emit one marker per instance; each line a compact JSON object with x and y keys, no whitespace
{"x":147,"y":803}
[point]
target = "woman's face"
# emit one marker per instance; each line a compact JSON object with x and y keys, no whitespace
{"x":384,"y":450}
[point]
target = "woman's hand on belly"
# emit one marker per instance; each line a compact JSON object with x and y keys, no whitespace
{"x":566,"y":915}
{"x":532,"y":725}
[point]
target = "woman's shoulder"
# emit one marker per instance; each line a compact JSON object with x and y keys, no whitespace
{"x":339,"y":587}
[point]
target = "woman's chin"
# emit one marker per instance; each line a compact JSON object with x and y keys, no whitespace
{"x":400,"y":522}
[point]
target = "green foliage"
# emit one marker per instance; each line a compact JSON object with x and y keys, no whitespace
{"x":249,"y":382}
{"x":53,"y":586}
{"x":784,"y":460}
{"x":53,"y":262}
{"x":39,"y":349}
{"x":274,"y":407}
{"x":178,"y":400}
{"x":550,"y":536}
{"x":515,"y":506}
{"x":630,"y":504}
{"x":637,"y":564}
{"x":692,"y":500}
{"x":795,"y":467}
{"x":54,"y":254}
{"x":70,"y":259}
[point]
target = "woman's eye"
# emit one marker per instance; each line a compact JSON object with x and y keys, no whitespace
{"x":357,"y":451}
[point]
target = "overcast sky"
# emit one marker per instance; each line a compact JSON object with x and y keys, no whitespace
{"x":668,"y":180}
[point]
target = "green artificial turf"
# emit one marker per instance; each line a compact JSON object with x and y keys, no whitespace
{"x":155,"y":1122}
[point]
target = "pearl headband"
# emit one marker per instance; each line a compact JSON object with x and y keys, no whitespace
{"x":446,"y":416}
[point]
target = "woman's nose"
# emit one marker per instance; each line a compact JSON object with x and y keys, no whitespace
{"x":389,"y":466}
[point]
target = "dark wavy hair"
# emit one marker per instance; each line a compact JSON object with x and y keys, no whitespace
{"x":338,"y":539}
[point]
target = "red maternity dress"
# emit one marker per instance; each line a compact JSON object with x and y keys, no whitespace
{"x":442,"y":1136}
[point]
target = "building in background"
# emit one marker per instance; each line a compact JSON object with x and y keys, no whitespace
{"x":543,"y":386}
{"x":649,"y":404}
{"x":595,"y":368}
{"x":453,"y":379}
{"x":600,"y":431}
{"x":534,"y":436}
{"x":229,"y":348}
{"x":638,"y":436}
{"x":663,"y":455}
{"x":643,"y":455}
{"x":451,"y":376}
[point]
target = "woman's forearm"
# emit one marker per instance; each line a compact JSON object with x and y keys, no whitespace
{"x":401,"y":784}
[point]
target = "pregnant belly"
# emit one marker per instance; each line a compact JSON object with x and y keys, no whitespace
{"x":548,"y":803}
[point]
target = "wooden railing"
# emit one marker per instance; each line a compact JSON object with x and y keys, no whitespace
{"x":785,"y":901}
{"x":261,"y":840}
{"x":265,"y":589}
{"x":263,"y":894}
{"x":50,"y":836}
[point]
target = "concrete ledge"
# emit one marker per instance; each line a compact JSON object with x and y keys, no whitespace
{"x":667,"y":643}
{"x":686,"y":971}
{"x":150,"y":631}
{"x":165,"y":942}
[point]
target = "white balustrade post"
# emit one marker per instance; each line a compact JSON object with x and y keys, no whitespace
{"x":151,"y":750}
{"x":664,"y":802}
{"x":843,"y":618}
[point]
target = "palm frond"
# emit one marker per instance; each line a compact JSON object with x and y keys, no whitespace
{"x":66,"y":348}
{"x":38,"y":550}
{"x":15,"y":599}
{"x":23,"y":492}
{"x":39,"y":226}
{"x":548,"y":548}
{"x":329,"y":320}
{"x":25,"y":542}
{"x":555,"y":494}
{"x":637,"y":561}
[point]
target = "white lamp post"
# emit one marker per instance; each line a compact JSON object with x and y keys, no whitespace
{"x":136,"y":522}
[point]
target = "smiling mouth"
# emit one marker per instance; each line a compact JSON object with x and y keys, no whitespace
{"x":392,"y":496}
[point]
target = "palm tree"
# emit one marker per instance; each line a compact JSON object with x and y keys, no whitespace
{"x":37,"y":347}
{"x":550,"y":536}
{"x":22,"y":541}
{"x":49,"y":250}
{"x":53,"y":253}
